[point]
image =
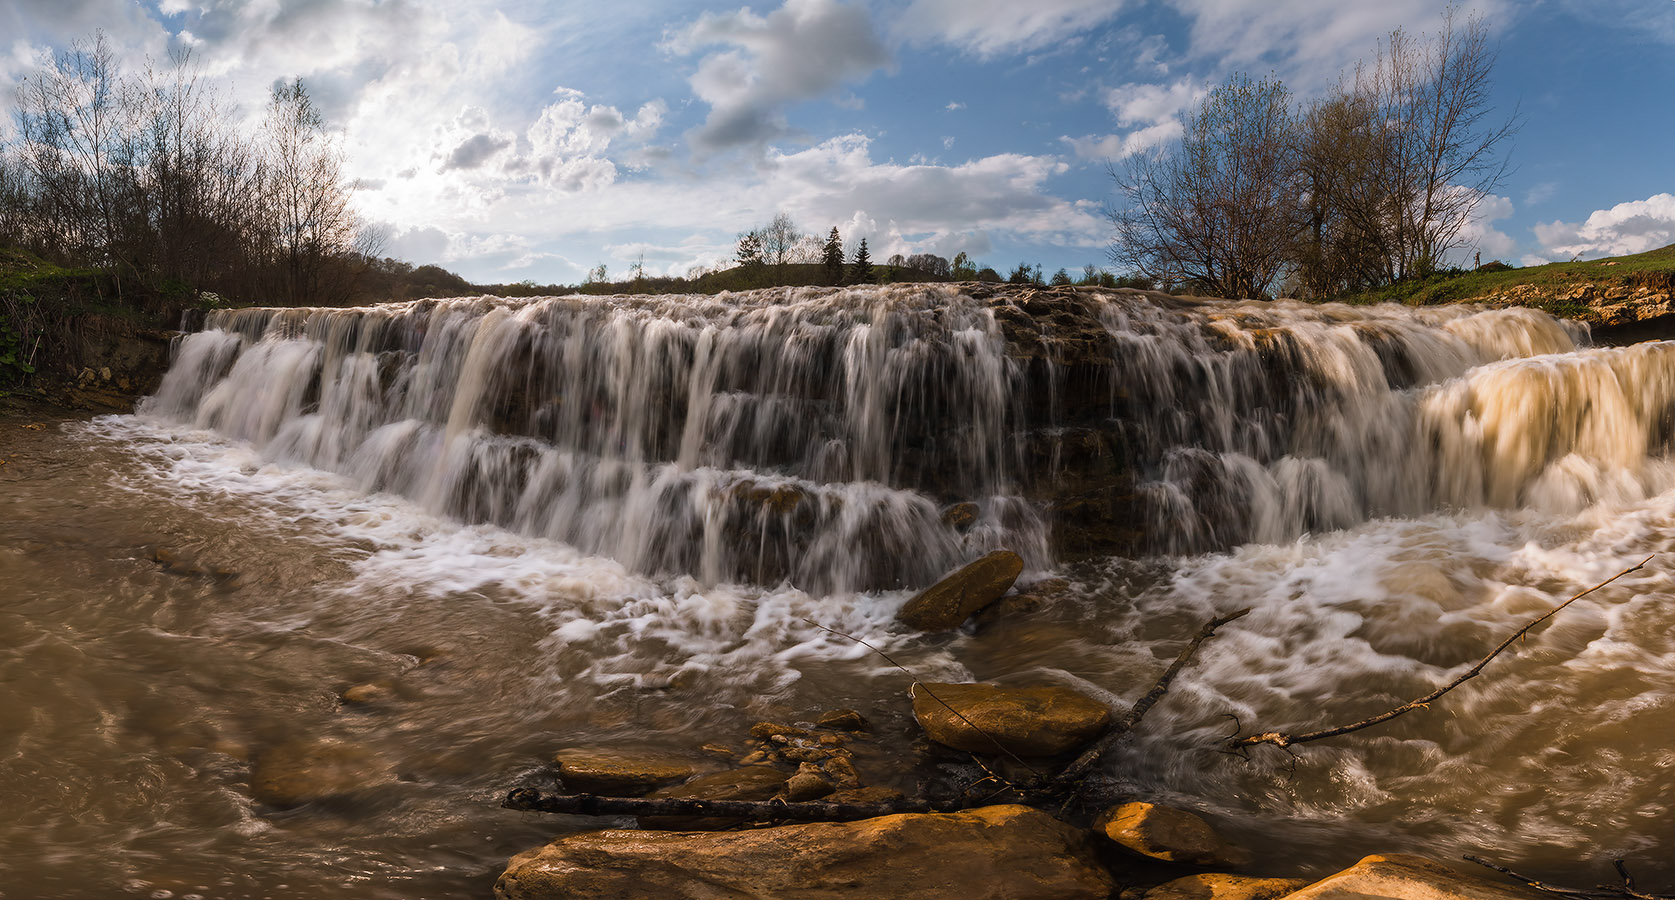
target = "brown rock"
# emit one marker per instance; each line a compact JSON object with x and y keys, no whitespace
{"x":621,"y":774}
{"x":866,"y":795}
{"x":844,"y":720}
{"x":748,"y":783}
{"x":951,"y":601}
{"x":807,"y":785}
{"x":1403,"y":876}
{"x":1172,"y":835}
{"x":308,"y":770}
{"x":1028,"y":721}
{"x":960,"y":516}
{"x":1211,"y":886}
{"x":1010,"y":852}
{"x":368,"y":693}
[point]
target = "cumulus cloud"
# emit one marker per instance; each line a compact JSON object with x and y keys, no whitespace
{"x":991,"y":27}
{"x":803,"y":50}
{"x":1632,"y":227}
{"x":1116,"y":147}
{"x":1151,"y":113}
{"x":474,"y":151}
{"x":1480,"y":235}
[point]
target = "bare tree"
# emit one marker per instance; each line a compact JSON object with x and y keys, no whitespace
{"x":306,"y":198}
{"x":1219,"y":213}
{"x":780,"y":240}
{"x":1401,"y":156}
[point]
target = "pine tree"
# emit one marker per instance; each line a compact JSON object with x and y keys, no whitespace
{"x":832,"y":256}
{"x":861,"y":271}
{"x":750,"y":249}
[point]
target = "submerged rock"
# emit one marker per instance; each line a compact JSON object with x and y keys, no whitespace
{"x":308,"y":770}
{"x":621,"y":774}
{"x":949,"y":602}
{"x":1409,"y":876}
{"x":1172,"y":835}
{"x":844,"y":720}
{"x":747,"y":783}
{"x":1027,"y":721}
{"x":1010,"y":852}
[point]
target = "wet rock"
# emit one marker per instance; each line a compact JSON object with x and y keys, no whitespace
{"x":844,"y":720}
{"x":996,"y":852}
{"x":748,"y":783}
{"x":375,"y":692}
{"x":951,"y":601}
{"x":1410,"y":876}
{"x":1020,"y":603}
{"x":1211,"y":886}
{"x":960,"y":516}
{"x":765,"y":731}
{"x":1028,"y":721}
{"x":309,"y":770}
{"x":842,"y":772}
{"x":866,"y":795}
{"x":808,"y":784}
{"x":1168,"y":834}
{"x":621,"y":774}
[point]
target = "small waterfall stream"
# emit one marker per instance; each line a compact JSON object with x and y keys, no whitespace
{"x":627,"y":522}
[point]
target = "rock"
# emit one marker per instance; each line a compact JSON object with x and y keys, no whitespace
{"x":309,"y":770}
{"x":1025,"y":600}
{"x":368,"y":693}
{"x":624,"y":774}
{"x":1403,"y":876}
{"x":748,"y":783}
{"x":960,"y":516}
{"x":951,"y":601}
{"x":1225,"y":887}
{"x":807,"y":785}
{"x":842,"y":773}
{"x":765,"y":731}
{"x":844,"y":720}
{"x":1172,"y":835}
{"x":1011,"y":852}
{"x":1028,"y":721}
{"x":866,"y":795}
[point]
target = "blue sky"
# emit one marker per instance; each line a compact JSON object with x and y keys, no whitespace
{"x":525,"y":140}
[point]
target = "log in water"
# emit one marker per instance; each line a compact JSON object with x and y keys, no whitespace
{"x":601,"y":521}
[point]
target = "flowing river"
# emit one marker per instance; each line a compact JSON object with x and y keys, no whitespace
{"x":622,"y":522}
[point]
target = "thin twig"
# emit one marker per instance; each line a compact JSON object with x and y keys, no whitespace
{"x":1282,"y":739}
{"x":919,"y":684}
{"x":1085,"y":763}
{"x":1626,"y":889}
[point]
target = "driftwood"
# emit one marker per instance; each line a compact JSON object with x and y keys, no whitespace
{"x":1283,"y":740}
{"x":754,"y":810}
{"x":1083,"y":764}
{"x":1624,"y":890}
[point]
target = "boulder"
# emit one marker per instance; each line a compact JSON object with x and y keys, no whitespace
{"x":309,"y":770}
{"x":995,"y":852}
{"x":844,"y":720}
{"x":951,"y":601}
{"x":621,"y":774}
{"x":1171,"y":835}
{"x":961,"y":516}
{"x":1026,"y":721}
{"x":1409,"y":878}
{"x":1214,"y":886}
{"x":807,"y":784}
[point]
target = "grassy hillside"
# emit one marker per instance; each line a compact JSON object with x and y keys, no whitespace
{"x":1551,"y":287}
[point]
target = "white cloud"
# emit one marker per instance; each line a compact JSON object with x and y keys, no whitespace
{"x":953,"y":105}
{"x":803,"y":50}
{"x":1479,"y":236}
{"x":991,"y":27}
{"x":1115,"y":147}
{"x":1632,"y":227}
{"x":1150,"y":104}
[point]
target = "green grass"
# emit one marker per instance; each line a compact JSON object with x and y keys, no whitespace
{"x":1654,"y":268}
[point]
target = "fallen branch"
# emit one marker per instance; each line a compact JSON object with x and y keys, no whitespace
{"x":1085,"y":763}
{"x":1626,"y":889}
{"x":1284,"y":740}
{"x":755,"y":810}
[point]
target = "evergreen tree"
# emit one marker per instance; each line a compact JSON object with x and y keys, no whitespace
{"x":860,"y":272}
{"x":750,"y":249}
{"x":832,"y":256}
{"x":1061,"y":278}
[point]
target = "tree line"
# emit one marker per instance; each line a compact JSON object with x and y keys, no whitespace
{"x":148,"y":176}
{"x":1372,"y":184}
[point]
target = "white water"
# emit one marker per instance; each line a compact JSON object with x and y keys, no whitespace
{"x":1400,"y":488}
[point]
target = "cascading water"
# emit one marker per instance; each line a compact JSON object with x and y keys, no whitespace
{"x":627,"y":521}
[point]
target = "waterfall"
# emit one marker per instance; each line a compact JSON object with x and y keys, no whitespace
{"x":829,"y":436}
